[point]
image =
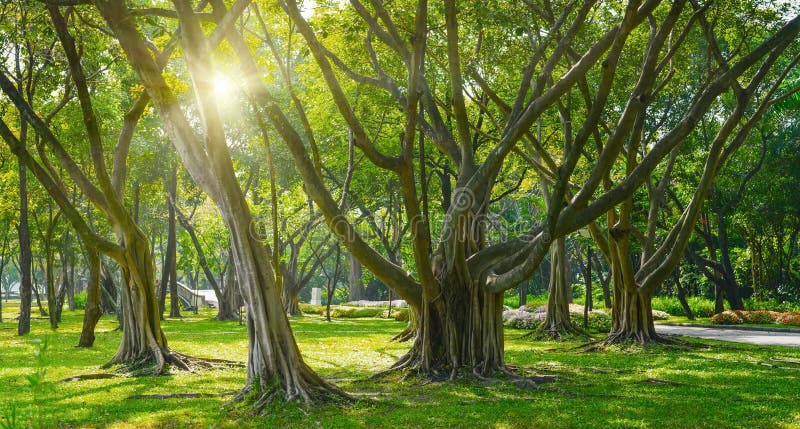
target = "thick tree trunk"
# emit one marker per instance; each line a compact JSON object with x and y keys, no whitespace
{"x":290,"y":296}
{"x":25,"y":256}
{"x":557,"y":321}
{"x":635,"y":318}
{"x":142,"y":338}
{"x":462,"y":330}
{"x":93,"y":309}
{"x":355,"y":280}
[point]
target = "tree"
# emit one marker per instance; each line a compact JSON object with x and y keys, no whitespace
{"x":274,"y":366}
{"x":142,"y":338}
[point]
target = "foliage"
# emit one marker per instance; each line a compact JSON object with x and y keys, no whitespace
{"x":80,"y":300}
{"x":727,"y":318}
{"x":760,"y":317}
{"x":400,"y":314}
{"x":701,"y":307}
{"x":660,"y":315}
{"x":792,"y":319}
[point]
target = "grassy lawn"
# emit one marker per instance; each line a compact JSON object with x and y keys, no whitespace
{"x":721,"y":385}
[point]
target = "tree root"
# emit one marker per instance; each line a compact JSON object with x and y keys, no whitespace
{"x":407,"y":334}
{"x":557,"y":333}
{"x":641,"y":339}
{"x":302,"y":392}
{"x":182,"y":395}
{"x":157,"y":360}
{"x":660,"y":382}
{"x":81,"y":377}
{"x":411,"y":367}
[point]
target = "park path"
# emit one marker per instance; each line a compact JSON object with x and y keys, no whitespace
{"x":766,"y":338}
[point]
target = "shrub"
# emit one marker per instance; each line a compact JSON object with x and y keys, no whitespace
{"x":80,"y":301}
{"x":312,"y":309}
{"x":761,"y":317}
{"x":701,"y":307}
{"x":727,"y":318}
{"x":401,"y":315}
{"x":599,"y":321}
{"x":660,"y":315}
{"x":791,"y":319}
{"x":354,"y":312}
{"x":522,"y":319}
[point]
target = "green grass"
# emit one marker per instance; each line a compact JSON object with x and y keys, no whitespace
{"x":723,"y":385}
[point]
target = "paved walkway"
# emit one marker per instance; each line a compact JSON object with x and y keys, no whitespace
{"x":766,"y":338}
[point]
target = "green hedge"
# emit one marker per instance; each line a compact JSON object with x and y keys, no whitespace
{"x":701,"y":307}
{"x":338,"y":312}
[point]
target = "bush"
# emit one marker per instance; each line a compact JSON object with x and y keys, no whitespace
{"x":312,"y":309}
{"x":761,"y":317}
{"x":599,"y":321}
{"x":80,"y":301}
{"x":791,"y":319}
{"x":525,"y":318}
{"x":354,"y":312}
{"x":660,"y":315}
{"x":522,"y":319}
{"x":727,"y":318}
{"x":701,"y":307}
{"x":783,"y":307}
{"x":401,"y":314}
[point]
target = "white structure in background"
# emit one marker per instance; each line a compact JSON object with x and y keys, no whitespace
{"x":316,"y":296}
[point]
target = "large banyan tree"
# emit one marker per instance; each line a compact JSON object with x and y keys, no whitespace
{"x":483,"y":87}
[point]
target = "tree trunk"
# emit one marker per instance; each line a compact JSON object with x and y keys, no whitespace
{"x":732,"y":293}
{"x":290,"y":294}
{"x":557,"y":320}
{"x":93,"y":309}
{"x":143,"y":341}
{"x":228,"y":297}
{"x":25,"y":256}
{"x":632,"y":313}
{"x":109,"y":293}
{"x":682,"y":297}
{"x":172,"y":245}
{"x":355,"y":280}
{"x":635,"y":320}
{"x":50,"y":284}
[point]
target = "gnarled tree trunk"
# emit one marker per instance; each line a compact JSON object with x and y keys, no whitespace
{"x":557,"y":319}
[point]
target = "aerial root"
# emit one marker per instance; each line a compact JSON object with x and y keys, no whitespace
{"x":265,"y":400}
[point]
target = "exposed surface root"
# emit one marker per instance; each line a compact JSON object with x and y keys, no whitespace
{"x":557,"y":333}
{"x":181,"y":395}
{"x":305,"y":395}
{"x":641,"y":339}
{"x":407,"y":334}
{"x":660,"y":382}
{"x":157,"y":361}
{"x":81,"y":377}
{"x":502,"y":374}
